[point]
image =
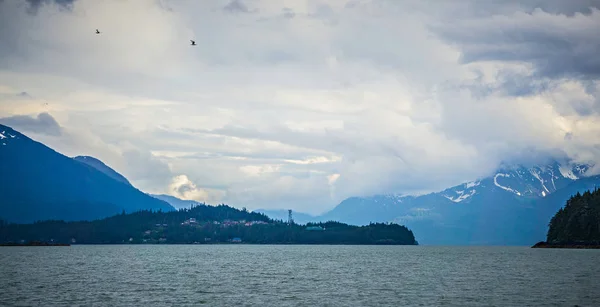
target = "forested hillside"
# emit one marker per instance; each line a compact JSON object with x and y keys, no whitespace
{"x":578,"y":222}
{"x":202,"y":224}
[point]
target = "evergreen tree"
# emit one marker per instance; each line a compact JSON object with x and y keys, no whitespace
{"x":578,"y":222}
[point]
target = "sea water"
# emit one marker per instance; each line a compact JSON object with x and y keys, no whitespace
{"x":295,"y":275}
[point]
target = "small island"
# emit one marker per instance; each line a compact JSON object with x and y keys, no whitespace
{"x":202,"y":224}
{"x":577,"y":225}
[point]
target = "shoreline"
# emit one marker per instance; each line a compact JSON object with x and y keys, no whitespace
{"x":34,"y":244}
{"x":220,"y":243}
{"x":566,"y":246}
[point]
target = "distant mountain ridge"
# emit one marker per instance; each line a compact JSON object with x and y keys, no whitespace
{"x":510,"y":207}
{"x":38,"y":183}
{"x":171,"y":200}
{"x":176,"y":202}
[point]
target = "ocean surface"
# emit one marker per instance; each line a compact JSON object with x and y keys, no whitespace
{"x":293,"y":275}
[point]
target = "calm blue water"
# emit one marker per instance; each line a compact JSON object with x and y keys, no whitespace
{"x":249,"y":275}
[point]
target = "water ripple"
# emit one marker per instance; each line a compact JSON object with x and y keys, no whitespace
{"x":250,"y":275}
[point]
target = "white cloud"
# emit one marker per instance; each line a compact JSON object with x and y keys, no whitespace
{"x":300,"y":104}
{"x":182,"y":187}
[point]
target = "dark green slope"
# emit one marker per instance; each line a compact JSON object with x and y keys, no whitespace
{"x":578,"y":222}
{"x":212,"y":224}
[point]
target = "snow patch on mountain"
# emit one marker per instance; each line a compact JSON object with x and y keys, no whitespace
{"x":395,"y":197}
{"x":462,"y":196}
{"x":472,"y":184}
{"x":461,"y":192}
{"x":552,"y":177}
{"x":567,"y":172}
{"x":537,"y":176}
{"x":5,"y":137}
{"x":581,"y":169}
{"x":503,"y":187}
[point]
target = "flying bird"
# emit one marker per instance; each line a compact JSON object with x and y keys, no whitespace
{"x":193,"y":42}
{"x":97,"y":32}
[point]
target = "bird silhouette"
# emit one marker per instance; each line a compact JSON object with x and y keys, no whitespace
{"x":193,"y":42}
{"x":97,"y":32}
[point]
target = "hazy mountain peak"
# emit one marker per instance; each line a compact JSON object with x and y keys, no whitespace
{"x":176,"y":202}
{"x":538,"y":180}
{"x":511,"y":206}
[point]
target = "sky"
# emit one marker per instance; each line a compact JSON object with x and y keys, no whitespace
{"x":301,"y":104}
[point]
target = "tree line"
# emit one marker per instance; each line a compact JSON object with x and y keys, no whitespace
{"x":212,"y":224}
{"x":578,"y":221}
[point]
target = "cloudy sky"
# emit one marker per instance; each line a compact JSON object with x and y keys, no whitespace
{"x":302,"y":103}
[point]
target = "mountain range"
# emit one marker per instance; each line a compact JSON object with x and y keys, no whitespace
{"x":171,"y":200}
{"x":511,"y":207}
{"x":38,"y":183}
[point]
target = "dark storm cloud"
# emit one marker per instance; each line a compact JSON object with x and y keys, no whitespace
{"x":553,"y":54}
{"x":34,"y":5}
{"x":514,"y":84}
{"x":508,"y":83}
{"x":44,"y":123}
{"x":558,"y":39}
{"x":486,"y":8}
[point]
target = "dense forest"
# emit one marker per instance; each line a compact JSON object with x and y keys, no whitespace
{"x":578,"y":222}
{"x":202,"y":224}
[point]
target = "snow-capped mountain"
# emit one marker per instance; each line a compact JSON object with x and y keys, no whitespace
{"x":512,"y":206}
{"x":533,"y":181}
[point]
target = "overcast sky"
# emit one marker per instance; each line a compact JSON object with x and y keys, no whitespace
{"x":300,"y":104}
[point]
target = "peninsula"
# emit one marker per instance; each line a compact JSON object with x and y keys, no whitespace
{"x":202,"y":224}
{"x":577,"y":225}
